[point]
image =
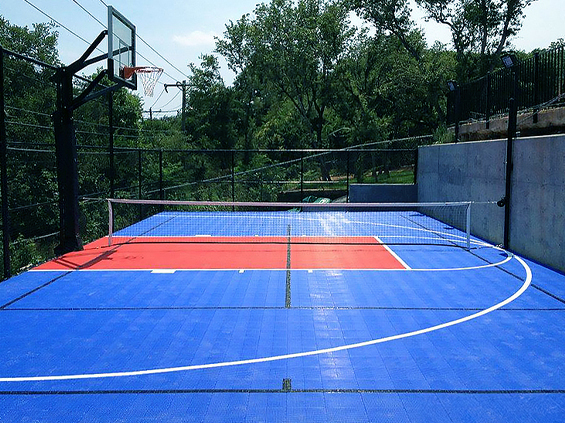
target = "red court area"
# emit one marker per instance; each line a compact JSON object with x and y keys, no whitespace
{"x":228,"y":253}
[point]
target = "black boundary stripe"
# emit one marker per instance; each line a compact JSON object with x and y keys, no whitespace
{"x":9,"y":303}
{"x":83,"y":266}
{"x":188,"y":308}
{"x":292,"y":391}
{"x":555,"y":297}
{"x":287,"y":297}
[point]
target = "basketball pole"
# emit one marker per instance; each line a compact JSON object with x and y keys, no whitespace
{"x":65,"y":143}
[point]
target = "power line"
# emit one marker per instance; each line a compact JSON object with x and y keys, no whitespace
{"x":171,"y":100}
{"x":161,"y":111}
{"x":58,"y":23}
{"x":161,"y":56}
{"x":104,"y":26}
{"x":142,"y":40}
{"x":90,"y":14}
{"x":137,"y":35}
{"x":159,"y":97}
{"x":155,"y":51}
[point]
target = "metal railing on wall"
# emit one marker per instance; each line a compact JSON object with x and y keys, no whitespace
{"x":541,"y":82}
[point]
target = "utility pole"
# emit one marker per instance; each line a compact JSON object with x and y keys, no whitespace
{"x":181,"y":85}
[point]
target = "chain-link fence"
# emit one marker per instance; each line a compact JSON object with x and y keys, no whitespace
{"x":111,"y":164}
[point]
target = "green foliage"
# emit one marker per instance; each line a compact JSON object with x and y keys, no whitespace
{"x":480,"y":30}
{"x":40,"y":42}
{"x":305,"y":78}
{"x":389,"y":17}
{"x":25,"y":253}
{"x":211,"y":108}
{"x":294,"y":50}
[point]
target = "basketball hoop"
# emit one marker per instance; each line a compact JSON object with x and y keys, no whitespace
{"x":149,"y":76}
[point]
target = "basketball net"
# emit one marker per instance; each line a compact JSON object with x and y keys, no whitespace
{"x":149,"y":75}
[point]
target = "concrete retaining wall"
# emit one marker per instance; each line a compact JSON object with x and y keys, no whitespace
{"x":475,"y":171}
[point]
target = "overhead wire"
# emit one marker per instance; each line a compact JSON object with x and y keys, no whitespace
{"x":161,"y":111}
{"x":171,"y":100}
{"x":161,"y":56}
{"x":56,"y":22}
{"x":90,"y":14}
{"x":137,"y":35}
{"x":148,"y":45}
{"x":158,"y":98}
{"x":139,"y":54}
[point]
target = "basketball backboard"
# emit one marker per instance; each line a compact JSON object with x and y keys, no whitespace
{"x":121,"y":48}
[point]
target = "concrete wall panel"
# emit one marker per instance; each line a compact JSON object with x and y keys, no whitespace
{"x":475,"y":171}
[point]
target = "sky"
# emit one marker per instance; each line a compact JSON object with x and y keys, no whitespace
{"x":176,"y":32}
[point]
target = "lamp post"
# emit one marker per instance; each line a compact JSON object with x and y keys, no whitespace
{"x":454,"y":88}
{"x":510,"y":62}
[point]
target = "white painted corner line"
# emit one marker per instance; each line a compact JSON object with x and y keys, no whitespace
{"x":430,"y":329}
{"x":392,"y":253}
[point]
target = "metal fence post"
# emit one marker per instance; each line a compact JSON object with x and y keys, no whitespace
{"x":347,"y":192}
{"x":468,"y":227}
{"x":140,"y":181}
{"x":301,"y":176}
{"x":232,"y":175}
{"x":111,"y":142}
{"x":161,"y":192}
{"x":512,"y":118}
{"x":488,"y":101}
{"x":457,"y":112}
{"x":4,"y":174}
{"x":536,"y":87}
{"x":416,"y":166}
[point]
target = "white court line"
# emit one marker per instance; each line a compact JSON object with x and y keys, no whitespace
{"x":392,"y":253}
{"x":430,"y":329}
{"x":455,"y":269}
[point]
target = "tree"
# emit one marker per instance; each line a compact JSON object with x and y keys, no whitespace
{"x":40,"y":42}
{"x":210,"y":119}
{"x":293,"y":49}
{"x":406,"y":77}
{"x":389,"y":16}
{"x":478,"y":27}
{"x":30,"y":98}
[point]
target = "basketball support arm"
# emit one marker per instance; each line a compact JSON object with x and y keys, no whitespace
{"x":65,"y":143}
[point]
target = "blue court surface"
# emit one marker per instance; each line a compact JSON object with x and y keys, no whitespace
{"x":454,"y":335}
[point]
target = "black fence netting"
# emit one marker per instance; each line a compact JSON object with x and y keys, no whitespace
{"x":122,"y":162}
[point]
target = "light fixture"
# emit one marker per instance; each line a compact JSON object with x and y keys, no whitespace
{"x":452,"y":85}
{"x":509,"y":60}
